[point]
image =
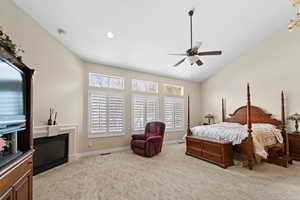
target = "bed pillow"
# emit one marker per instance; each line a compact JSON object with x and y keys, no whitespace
{"x":262,"y":126}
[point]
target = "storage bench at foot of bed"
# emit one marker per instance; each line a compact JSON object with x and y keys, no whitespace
{"x":218,"y":152}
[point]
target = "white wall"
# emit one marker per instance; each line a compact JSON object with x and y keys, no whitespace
{"x":272,"y":66}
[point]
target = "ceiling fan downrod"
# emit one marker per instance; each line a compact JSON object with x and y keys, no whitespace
{"x":191,"y":13}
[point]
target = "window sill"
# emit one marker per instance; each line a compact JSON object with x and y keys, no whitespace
{"x":106,"y":88}
{"x":137,"y":132}
{"x":174,"y":130}
{"x":105,"y":135}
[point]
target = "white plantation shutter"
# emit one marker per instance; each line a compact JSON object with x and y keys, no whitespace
{"x":174,"y":113}
{"x":145,"y":109}
{"x":138,"y":106}
{"x":106,"y":114}
{"x":116,"y":113}
{"x":152,"y":109}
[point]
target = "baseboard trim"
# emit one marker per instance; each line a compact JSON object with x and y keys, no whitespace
{"x":118,"y":149}
{"x":104,"y":151}
{"x":174,"y":142}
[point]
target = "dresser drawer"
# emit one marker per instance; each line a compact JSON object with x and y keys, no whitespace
{"x":212,"y":147}
{"x":295,"y":146}
{"x":212,"y":157}
{"x":10,"y":177}
{"x":294,"y":141}
{"x":194,"y":151}
{"x":194,"y":143}
{"x":216,"y":151}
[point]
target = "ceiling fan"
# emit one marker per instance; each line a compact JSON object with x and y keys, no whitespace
{"x":192,"y":53}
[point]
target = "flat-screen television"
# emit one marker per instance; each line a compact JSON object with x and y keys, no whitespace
{"x":12,"y":110}
{"x":12,"y":98}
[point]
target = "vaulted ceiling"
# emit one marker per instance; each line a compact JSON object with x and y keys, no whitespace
{"x":146,"y":31}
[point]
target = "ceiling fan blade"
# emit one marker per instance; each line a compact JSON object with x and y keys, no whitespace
{"x":177,"y":54}
{"x":181,"y":61}
{"x":209,"y":53}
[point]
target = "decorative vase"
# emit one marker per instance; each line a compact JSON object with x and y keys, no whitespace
{"x":49,"y":122}
{"x":50,"y":117}
{"x":54,"y":122}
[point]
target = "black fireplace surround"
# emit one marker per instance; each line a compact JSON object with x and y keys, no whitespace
{"x":50,"y":152}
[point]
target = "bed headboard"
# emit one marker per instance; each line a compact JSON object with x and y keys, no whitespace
{"x":257,"y":116}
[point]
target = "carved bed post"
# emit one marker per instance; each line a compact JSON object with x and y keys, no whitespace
{"x":223,"y":110}
{"x":283,"y":131}
{"x":251,"y":153}
{"x":188,"y":131}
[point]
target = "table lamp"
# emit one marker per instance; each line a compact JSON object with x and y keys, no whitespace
{"x":209,"y":117}
{"x":295,"y":117}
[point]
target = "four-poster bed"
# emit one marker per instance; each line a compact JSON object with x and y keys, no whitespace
{"x":219,"y":152}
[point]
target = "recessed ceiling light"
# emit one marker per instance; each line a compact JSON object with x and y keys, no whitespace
{"x":110,"y":35}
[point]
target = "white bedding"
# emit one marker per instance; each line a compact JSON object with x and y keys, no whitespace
{"x":233,"y":132}
{"x":236,"y":133}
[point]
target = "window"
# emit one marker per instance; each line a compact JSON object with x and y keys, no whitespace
{"x":174,"y":90}
{"x":145,"y":109}
{"x":106,"y":114}
{"x":104,"y":81}
{"x":174,"y":113}
{"x":144,"y":86}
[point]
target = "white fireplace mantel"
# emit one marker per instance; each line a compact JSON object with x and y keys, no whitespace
{"x":49,"y":131}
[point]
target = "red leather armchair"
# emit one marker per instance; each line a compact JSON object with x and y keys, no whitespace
{"x":150,"y":143}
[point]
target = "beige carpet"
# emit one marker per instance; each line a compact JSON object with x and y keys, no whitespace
{"x":171,"y":175}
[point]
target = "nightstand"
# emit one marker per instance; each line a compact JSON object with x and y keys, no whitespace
{"x":294,"y":141}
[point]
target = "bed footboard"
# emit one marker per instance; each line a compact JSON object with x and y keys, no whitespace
{"x":218,"y":152}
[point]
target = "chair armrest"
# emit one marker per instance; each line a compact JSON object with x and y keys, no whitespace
{"x":154,"y":139}
{"x":139,"y":137}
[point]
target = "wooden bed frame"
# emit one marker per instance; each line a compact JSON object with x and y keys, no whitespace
{"x":278,"y":154}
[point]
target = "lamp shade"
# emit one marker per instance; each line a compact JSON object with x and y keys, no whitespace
{"x":209,"y":116}
{"x":295,"y":116}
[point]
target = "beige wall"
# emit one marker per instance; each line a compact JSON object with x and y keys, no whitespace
{"x":272,"y":66}
{"x":58,"y":79}
{"x":191,"y":88}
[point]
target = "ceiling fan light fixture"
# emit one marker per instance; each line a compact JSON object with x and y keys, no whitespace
{"x":296,"y":21}
{"x":296,"y":3}
{"x":290,"y":28}
{"x":193,"y":52}
{"x":110,"y":35}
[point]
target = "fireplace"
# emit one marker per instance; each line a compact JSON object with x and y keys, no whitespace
{"x":50,"y":152}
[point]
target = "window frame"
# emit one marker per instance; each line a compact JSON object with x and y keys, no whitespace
{"x":107,"y":76}
{"x":133,"y":96}
{"x":176,"y":86}
{"x":107,"y":134}
{"x":174,"y":129}
{"x":133,"y":87}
